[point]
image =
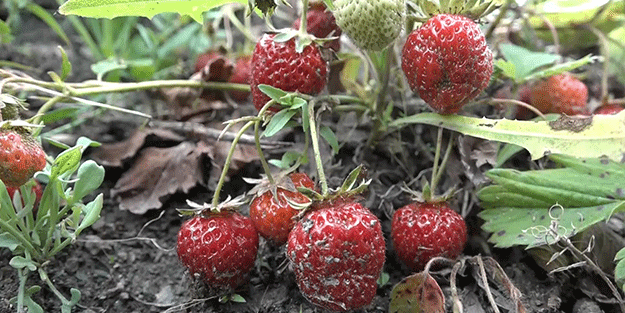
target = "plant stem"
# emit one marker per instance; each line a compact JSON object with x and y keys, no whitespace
{"x":380,"y":61}
{"x":22,"y":273}
{"x":261,"y":155}
{"x":439,"y":174}
{"x":57,"y":293}
{"x":315,"y":143}
{"x":20,"y":237}
{"x":224,"y":171}
{"x":437,"y":155}
{"x":303,"y":20}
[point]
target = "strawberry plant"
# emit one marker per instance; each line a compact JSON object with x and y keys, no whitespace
{"x":36,"y":236}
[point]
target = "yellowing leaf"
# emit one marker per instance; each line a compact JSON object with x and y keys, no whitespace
{"x":147,"y":8}
{"x":589,"y":137}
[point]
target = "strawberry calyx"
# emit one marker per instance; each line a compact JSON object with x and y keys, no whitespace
{"x":354,"y":185}
{"x":282,"y":180}
{"x":206,"y":209}
{"x":471,"y":9}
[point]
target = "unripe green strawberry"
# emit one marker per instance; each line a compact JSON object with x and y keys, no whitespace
{"x":371,"y":24}
{"x":20,"y":158}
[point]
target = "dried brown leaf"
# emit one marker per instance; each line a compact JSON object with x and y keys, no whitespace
{"x":161,"y":172}
{"x":113,"y":154}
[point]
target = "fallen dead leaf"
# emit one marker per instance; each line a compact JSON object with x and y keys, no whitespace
{"x":113,"y":154}
{"x":160,"y":172}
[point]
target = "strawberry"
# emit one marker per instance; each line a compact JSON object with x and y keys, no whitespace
{"x":371,"y":24}
{"x":337,"y":254}
{"x":562,"y":94}
{"x":37,"y":189}
{"x":242,"y":74}
{"x":278,"y":64}
{"x":321,"y":23}
{"x":423,"y":230}
{"x":20,"y":157}
{"x":447,"y":61}
{"x":609,"y":109}
{"x":272,"y":215}
{"x":219,"y":248}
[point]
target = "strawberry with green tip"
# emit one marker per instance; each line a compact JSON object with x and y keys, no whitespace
{"x":372,"y":24}
{"x":447,"y":61}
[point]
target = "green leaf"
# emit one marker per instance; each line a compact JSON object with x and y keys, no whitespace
{"x":521,"y":207}
{"x":524,"y":61}
{"x":237,"y":298}
{"x":616,"y":53}
{"x":278,"y":121}
{"x":595,"y":136}
{"x":146,"y":8}
{"x":327,"y":134}
{"x":5,"y":33}
{"x":90,"y":177}
{"x":66,"y":67}
{"x":59,"y":114}
{"x":108,"y":65}
{"x":92,"y":213}
{"x":272,"y":92}
{"x":417,"y":293}
{"x":66,"y":162}
{"x":20,"y":262}
{"x":560,"y":68}
{"x":8,"y":241}
{"x":47,"y":18}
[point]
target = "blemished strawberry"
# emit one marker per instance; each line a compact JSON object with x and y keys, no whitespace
{"x":218,"y":248}
{"x":21,"y":157}
{"x":273,"y":215}
{"x":562,"y":94}
{"x":241,"y":74}
{"x":321,"y":23}
{"x":371,"y":24}
{"x":278,"y":64}
{"x":609,"y":109}
{"x":337,"y":254}
{"x":447,"y":61}
{"x":423,"y":230}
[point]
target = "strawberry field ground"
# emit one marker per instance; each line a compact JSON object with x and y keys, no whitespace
{"x":126,"y":261}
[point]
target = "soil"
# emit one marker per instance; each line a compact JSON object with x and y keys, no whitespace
{"x":128,"y":262}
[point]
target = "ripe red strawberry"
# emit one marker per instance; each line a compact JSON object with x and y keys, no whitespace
{"x":241,"y":74}
{"x":447,"y":61}
{"x":609,"y":109}
{"x":37,"y":189}
{"x":272,"y":215}
{"x":220,"y":249}
{"x":321,"y":23}
{"x":278,"y":64}
{"x":562,"y":94}
{"x":337,"y":254}
{"x":20,"y":158}
{"x":422,"y":230}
